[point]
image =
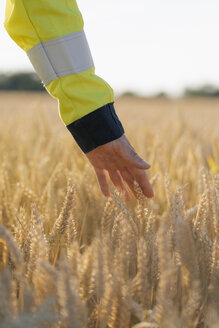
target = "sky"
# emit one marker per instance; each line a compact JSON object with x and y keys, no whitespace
{"x":146,"y":46}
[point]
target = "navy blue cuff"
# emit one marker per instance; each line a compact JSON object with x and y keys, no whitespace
{"x":96,"y":128}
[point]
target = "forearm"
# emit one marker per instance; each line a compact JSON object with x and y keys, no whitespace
{"x":51,"y":33}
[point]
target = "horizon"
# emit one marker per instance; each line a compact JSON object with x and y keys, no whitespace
{"x":168,"y":47}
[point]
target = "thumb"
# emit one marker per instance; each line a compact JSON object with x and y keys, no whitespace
{"x":135,"y":160}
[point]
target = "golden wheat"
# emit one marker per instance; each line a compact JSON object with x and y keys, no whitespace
{"x":71,"y":258}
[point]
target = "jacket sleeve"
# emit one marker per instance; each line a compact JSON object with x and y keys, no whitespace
{"x":51,"y":32}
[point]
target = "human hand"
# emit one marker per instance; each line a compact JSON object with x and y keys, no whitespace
{"x":123,"y":164}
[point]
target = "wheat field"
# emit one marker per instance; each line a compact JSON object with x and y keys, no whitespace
{"x":69,"y":257}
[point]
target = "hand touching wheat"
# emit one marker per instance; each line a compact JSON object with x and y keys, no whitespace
{"x":123,"y":164}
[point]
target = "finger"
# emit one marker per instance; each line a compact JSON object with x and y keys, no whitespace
{"x":118,"y":183}
{"x":101,"y":176}
{"x":116,"y":180}
{"x":129,"y":179}
{"x":134,"y":160}
{"x":143,"y":181}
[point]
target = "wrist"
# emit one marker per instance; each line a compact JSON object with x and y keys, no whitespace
{"x":96,"y":128}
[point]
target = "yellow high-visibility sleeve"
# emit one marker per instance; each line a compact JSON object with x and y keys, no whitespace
{"x":51,"y":32}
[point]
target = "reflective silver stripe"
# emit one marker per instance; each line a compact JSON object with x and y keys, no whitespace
{"x":62,"y":56}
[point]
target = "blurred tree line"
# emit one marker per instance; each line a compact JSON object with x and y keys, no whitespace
{"x":207,"y":90}
{"x":30,"y":82}
{"x":21,"y":82}
{"x":203,"y":91}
